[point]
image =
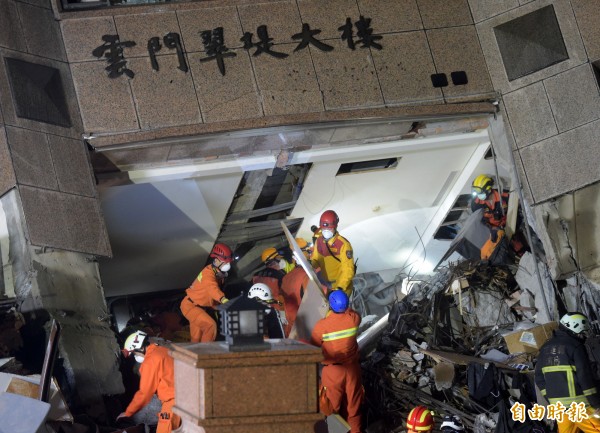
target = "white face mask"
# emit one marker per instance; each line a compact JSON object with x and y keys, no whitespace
{"x":482,"y":196}
{"x":327,"y":234}
{"x":282,"y":264}
{"x":139,"y":358}
{"x":225,"y":267}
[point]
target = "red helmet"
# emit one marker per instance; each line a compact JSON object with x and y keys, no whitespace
{"x":420,"y":419}
{"x":222,"y":252}
{"x":329,"y":219}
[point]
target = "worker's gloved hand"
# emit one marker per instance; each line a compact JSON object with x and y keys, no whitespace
{"x":224,"y":300}
{"x":314,"y":228}
{"x":282,"y":317}
{"x":595,"y":412}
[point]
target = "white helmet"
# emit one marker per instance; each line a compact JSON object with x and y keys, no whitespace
{"x":262,"y":292}
{"x":452,"y":423}
{"x":576,"y":322}
{"x":135,"y":342}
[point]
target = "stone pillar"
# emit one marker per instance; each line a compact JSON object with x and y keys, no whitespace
{"x":272,"y":391}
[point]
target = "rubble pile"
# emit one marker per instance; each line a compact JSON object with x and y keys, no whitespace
{"x":448,"y":346}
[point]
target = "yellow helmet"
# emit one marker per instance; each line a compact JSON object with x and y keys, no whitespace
{"x":302,"y":244}
{"x":269,"y":254}
{"x":482,"y":184}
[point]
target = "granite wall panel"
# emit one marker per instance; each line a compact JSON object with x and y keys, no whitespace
{"x":389,"y":16}
{"x":226,"y":97}
{"x":42,"y":32}
{"x":563,"y":163}
{"x":404,"y":69}
{"x":281,"y":18}
{"x":7,"y":173}
{"x":31,"y":158}
{"x":484,"y":9}
{"x":287,"y":85}
{"x":83,"y":36}
{"x":71,"y":164}
{"x":165,"y":97}
{"x":328,"y":17}
{"x":140,"y":28}
{"x":444,"y":13}
{"x":465,"y":55}
{"x":64,"y":221}
{"x":11,"y":33}
{"x":587,"y":13}
{"x":193,"y":22}
{"x":347,"y":78}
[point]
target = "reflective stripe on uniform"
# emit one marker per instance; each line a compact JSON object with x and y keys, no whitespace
{"x":590,"y":391}
{"x":568,"y":400}
{"x":568,"y":370}
{"x":346,"y":333}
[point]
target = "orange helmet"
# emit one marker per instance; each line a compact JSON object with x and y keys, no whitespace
{"x":222,"y":252}
{"x":269,"y":254}
{"x":420,"y":419}
{"x":329,"y":219}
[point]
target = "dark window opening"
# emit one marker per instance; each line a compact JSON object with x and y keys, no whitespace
{"x":362,"y":166}
{"x":531,"y":43}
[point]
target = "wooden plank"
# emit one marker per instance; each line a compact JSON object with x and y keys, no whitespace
{"x":314,"y":304}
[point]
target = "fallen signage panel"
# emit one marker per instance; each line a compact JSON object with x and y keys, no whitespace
{"x":314,"y":305}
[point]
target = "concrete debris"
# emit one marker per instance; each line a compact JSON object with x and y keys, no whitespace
{"x":527,"y":281}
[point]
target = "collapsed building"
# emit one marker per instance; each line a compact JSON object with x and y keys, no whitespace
{"x":116,"y":180}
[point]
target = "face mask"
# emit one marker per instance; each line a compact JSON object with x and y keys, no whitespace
{"x":225,"y":267}
{"x":327,"y":234}
{"x":282,"y":264}
{"x":481,"y":196}
{"x":139,"y":358}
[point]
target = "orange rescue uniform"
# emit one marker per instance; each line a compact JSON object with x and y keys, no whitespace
{"x":273,"y":278}
{"x":341,"y":375}
{"x":292,"y":288}
{"x":494,"y":208}
{"x":204,"y":294}
{"x":157,"y":376}
{"x":335,"y":259}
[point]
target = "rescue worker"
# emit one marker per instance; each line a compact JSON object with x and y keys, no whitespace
{"x":272,"y":274}
{"x":495,"y":206}
{"x":273,"y":326}
{"x":341,"y":374}
{"x":205,"y":293}
{"x":157,"y":376}
{"x":293,"y":286}
{"x":305,"y":247}
{"x":452,"y":424}
{"x":563,"y":373}
{"x":419,"y":420}
{"x":333,"y":255}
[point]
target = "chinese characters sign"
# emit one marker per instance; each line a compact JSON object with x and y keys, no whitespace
{"x":216,"y":49}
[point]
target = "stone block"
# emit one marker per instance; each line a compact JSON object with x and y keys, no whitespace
{"x":523,"y":177}
{"x":404,"y":68}
{"x":347,"y":78}
{"x":226,"y":97}
{"x":221,"y":391}
{"x":573,"y":97}
{"x":328,"y":17}
{"x":106,"y":104}
{"x":39,"y":3}
{"x":9,"y":110}
{"x":289,"y":85}
{"x":42,"y":32}
{"x":72,"y":166}
{"x":11,"y":32}
{"x":570,"y":34}
{"x":444,"y":13}
{"x":465,"y":56}
{"x":563,"y":163}
{"x":31,"y":158}
{"x":587,"y":14}
{"x":64,"y":221}
{"x":7,"y":173}
{"x":165,"y":97}
{"x":281,"y":18}
{"x":530,"y":114}
{"x":391,"y":15}
{"x":141,"y":27}
{"x":484,"y":9}
{"x":82,"y":36}
{"x":193,"y":22}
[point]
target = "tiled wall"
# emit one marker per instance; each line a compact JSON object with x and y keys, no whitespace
{"x":420,"y":38}
{"x":47,"y":163}
{"x":553,"y":114}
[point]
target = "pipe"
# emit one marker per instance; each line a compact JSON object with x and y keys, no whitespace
{"x":372,"y":333}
